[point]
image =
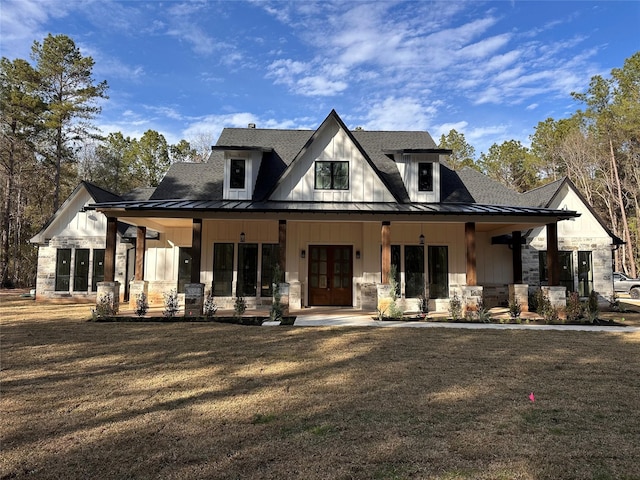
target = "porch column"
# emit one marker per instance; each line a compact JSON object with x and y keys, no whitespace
{"x":110,"y":250}
{"x":196,"y":250}
{"x":470,"y":242}
{"x":517,"y":256}
{"x":141,"y":245}
{"x":553,"y":264}
{"x":109,"y":287}
{"x":282,"y":242}
{"x":386,"y":252}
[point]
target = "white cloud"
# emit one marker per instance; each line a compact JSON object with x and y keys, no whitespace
{"x":22,"y":22}
{"x":399,"y":114}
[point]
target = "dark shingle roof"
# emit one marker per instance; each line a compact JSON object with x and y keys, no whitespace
{"x":99,"y":194}
{"x":541,"y":196}
{"x":140,"y":193}
{"x":194,"y":181}
{"x":484,"y":190}
{"x":204,"y":181}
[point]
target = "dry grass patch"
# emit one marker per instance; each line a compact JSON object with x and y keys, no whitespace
{"x":183,"y":401}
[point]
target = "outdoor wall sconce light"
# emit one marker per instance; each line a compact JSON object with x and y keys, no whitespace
{"x":242,"y":237}
{"x":303,"y":253}
{"x":358,"y":254}
{"x":421,"y":239}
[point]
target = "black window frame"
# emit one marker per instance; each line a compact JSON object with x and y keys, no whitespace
{"x":81,"y":270}
{"x":237,"y":173}
{"x":223,"y":265}
{"x":63,"y":270}
{"x":333,"y":175}
{"x":97,"y":274}
{"x":425,"y":177}
{"x":270,"y":259}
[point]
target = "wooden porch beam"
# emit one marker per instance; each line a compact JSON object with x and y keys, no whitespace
{"x":470,"y":242}
{"x":282,"y":242}
{"x":516,"y":237}
{"x":110,"y":250}
{"x":553,"y":263}
{"x":141,"y":245}
{"x":386,"y":252}
{"x":196,"y":249}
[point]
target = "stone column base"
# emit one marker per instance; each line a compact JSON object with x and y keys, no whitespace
{"x":294,"y":295}
{"x":556,"y":295}
{"x":286,"y":294}
{"x":136,"y":287}
{"x":193,"y":299}
{"x":471,"y":298}
{"x":520,"y":292}
{"x":109,"y":288}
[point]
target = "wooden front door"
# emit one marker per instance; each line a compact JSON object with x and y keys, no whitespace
{"x":330,"y":275}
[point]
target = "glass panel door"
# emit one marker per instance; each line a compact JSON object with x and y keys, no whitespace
{"x":222,"y":269}
{"x":438,"y":257}
{"x":566,"y":270}
{"x":330,"y":275}
{"x":63,"y":269}
{"x":184,"y":268}
{"x":98,"y":269}
{"x":270,"y":259}
{"x":585,"y":274}
{"x":247,"y":270}
{"x":81,"y":270}
{"x":414,"y":270}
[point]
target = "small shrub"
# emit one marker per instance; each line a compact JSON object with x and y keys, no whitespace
{"x":395,"y":288}
{"x":171,"y":304}
{"x":482,"y":314}
{"x":574,"y":307}
{"x":239,"y":306}
{"x":394,"y":311}
{"x":209,"y":308}
{"x":277,"y":309}
{"x":515,"y":310}
{"x":423,"y":303}
{"x":615,"y":304}
{"x":105,"y":307}
{"x":539,"y":301}
{"x":593,"y":310}
{"x":455,"y":307}
{"x":142,"y":305}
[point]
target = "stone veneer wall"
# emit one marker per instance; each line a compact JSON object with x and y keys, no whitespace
{"x":46,"y":276}
{"x":600,"y":249}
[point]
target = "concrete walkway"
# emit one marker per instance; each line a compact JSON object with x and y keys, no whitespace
{"x":355,"y":318}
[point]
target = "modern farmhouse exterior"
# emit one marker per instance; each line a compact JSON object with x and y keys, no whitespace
{"x":334,"y":209}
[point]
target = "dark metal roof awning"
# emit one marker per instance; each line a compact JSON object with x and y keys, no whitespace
{"x":184,"y":208}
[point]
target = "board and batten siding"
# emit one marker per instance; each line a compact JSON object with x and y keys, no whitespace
{"x":333,"y":144}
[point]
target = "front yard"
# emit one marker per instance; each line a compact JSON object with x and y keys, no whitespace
{"x":206,"y":400}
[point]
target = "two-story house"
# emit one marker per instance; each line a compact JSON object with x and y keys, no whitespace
{"x":337,"y":211}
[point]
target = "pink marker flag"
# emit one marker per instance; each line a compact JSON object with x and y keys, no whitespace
{"x":532,"y":397}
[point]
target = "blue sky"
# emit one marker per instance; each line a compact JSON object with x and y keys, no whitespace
{"x":491,"y":70}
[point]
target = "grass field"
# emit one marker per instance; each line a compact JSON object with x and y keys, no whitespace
{"x":185,"y":401}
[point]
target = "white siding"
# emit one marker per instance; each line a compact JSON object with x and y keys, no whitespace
{"x":333,"y":144}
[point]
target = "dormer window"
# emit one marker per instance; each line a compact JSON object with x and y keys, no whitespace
{"x":332,"y":175}
{"x":425,"y":177}
{"x":237,"y":174}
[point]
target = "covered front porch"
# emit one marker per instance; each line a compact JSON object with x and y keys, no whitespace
{"x":334,"y":258}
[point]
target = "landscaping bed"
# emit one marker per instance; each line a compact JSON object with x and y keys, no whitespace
{"x":249,"y":320}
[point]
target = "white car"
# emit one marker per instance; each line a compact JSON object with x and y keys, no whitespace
{"x":624,"y":284}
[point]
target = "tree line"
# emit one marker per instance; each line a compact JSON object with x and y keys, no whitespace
{"x":597,"y":147}
{"x":49,"y":144}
